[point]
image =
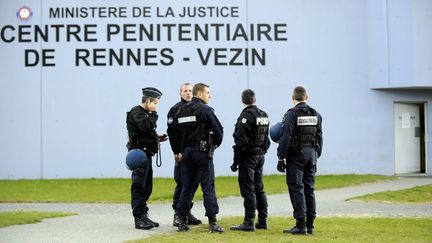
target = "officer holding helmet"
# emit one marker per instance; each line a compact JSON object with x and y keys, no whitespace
{"x":299,"y":147}
{"x":141,"y":125}
{"x":251,"y":144}
{"x":201,"y":133}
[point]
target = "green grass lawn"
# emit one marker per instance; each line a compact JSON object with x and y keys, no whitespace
{"x":118,"y":190}
{"x":326,"y":230}
{"x":419,"y":194}
{"x":27,"y":217}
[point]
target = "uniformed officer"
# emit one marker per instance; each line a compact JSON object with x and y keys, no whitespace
{"x":141,"y":126}
{"x":251,"y":144}
{"x":174,"y":134}
{"x":300,"y":145}
{"x":201,"y":134}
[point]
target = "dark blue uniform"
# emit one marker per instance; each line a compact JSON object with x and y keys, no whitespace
{"x":251,"y":144}
{"x":141,"y":125}
{"x":175,"y":137}
{"x":301,"y":144}
{"x":197,"y":120}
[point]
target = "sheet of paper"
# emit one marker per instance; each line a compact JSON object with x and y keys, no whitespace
{"x":406,"y":120}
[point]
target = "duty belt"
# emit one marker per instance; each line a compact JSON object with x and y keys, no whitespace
{"x":202,"y":146}
{"x":306,"y":144}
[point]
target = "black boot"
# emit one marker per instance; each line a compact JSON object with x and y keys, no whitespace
{"x":192,"y":220}
{"x":247,"y":225}
{"x":298,"y":229}
{"x":261,"y":224}
{"x":183,"y":224}
{"x":141,"y":223}
{"x":147,"y":219}
{"x":213,"y":226}
{"x":176,"y":220}
{"x":310,"y":225}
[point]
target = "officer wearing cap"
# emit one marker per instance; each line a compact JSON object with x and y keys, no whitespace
{"x":201,"y":134}
{"x":251,"y":144}
{"x":174,"y":134}
{"x":299,"y":147}
{"x":141,"y":126}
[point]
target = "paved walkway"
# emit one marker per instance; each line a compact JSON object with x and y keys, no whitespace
{"x":114,"y":223}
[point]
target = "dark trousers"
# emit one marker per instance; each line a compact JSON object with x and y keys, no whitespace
{"x":141,"y":189}
{"x":197,"y":166}
{"x":178,"y":188}
{"x":300,"y":177}
{"x":250,"y":180}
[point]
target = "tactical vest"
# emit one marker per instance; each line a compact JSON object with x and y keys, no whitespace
{"x":306,"y":127}
{"x":192,"y":130}
{"x":139,"y":139}
{"x":260,"y":131}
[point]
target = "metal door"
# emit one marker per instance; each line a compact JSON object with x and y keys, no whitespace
{"x":407,"y":138}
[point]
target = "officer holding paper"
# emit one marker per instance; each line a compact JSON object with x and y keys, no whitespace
{"x":141,"y":126}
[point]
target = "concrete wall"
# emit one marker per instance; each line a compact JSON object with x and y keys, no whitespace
{"x":69,"y":121}
{"x":399,"y":55}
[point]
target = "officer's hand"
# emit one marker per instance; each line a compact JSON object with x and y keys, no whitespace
{"x":163,"y":138}
{"x":234,"y":167}
{"x":178,"y":158}
{"x":281,"y":166}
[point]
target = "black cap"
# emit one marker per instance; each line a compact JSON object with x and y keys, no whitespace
{"x":151,"y":92}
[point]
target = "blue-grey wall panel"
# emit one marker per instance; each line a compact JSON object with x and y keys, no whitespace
{"x":69,"y":120}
